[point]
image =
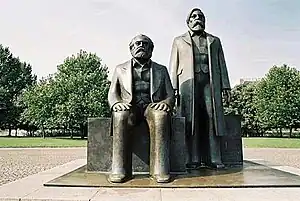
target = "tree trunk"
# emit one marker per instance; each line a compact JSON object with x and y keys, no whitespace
{"x":9,"y":131}
{"x":280,"y":131}
{"x":43,"y":133}
{"x":16,"y":132}
{"x":291,"y":131}
{"x":83,"y":129}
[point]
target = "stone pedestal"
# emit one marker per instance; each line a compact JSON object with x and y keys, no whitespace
{"x":100,"y":146}
{"x":231,"y":144}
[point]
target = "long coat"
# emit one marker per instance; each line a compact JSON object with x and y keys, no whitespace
{"x":160,"y":85}
{"x":181,"y":70}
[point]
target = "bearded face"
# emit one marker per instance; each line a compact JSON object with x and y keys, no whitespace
{"x":196,"y":21}
{"x":141,"y":47}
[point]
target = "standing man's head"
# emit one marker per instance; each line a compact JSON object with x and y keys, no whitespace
{"x":196,"y":20}
{"x":141,"y":47}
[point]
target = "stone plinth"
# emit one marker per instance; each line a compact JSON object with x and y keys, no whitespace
{"x":100,"y":146}
{"x":231,"y":144}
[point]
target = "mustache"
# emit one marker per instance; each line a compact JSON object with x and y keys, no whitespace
{"x":198,"y":22}
{"x":140,"y":49}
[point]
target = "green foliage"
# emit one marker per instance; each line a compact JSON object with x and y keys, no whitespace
{"x":279,"y":97}
{"x":16,"y":76}
{"x":66,"y":99}
{"x":243,"y":102}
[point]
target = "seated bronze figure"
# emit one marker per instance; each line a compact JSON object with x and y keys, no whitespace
{"x":141,"y":90}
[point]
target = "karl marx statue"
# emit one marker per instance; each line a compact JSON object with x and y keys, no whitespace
{"x":200,"y":79}
{"x":141,"y":90}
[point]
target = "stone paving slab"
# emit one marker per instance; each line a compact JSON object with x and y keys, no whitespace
{"x":128,"y":194}
{"x":61,"y":194}
{"x":230,"y":194}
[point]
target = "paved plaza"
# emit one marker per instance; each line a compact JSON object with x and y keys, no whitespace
{"x":19,"y":163}
{"x":24,"y":171}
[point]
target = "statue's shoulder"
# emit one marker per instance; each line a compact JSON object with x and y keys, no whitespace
{"x":159,"y":66}
{"x":181,"y":37}
{"x":213,"y":36}
{"x":123,"y":65}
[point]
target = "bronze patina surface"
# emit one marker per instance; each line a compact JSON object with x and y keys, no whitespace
{"x":199,"y":76}
{"x":141,"y":90}
{"x":252,"y":174}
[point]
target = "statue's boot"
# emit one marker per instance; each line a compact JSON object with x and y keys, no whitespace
{"x":159,"y":127}
{"x":121,"y":157}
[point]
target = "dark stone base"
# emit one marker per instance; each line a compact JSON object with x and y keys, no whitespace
{"x":231,"y":144}
{"x":100,"y":146}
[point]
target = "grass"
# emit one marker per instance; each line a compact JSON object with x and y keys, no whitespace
{"x":30,"y":142}
{"x":271,"y":142}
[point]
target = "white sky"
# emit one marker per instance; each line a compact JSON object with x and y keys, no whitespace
{"x":255,"y":34}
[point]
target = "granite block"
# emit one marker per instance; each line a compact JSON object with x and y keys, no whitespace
{"x":99,"y":151}
{"x":231,"y":144}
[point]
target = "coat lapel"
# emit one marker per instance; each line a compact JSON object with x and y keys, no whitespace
{"x":127,"y":81}
{"x":156,"y":77}
{"x":187,"y":38}
{"x":210,"y":39}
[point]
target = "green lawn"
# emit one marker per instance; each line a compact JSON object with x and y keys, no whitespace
{"x":271,"y":142}
{"x":6,"y":142}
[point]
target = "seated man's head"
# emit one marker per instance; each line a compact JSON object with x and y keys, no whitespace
{"x":141,"y":47}
{"x":196,"y":20}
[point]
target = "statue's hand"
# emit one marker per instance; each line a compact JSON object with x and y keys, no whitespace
{"x":118,"y":107}
{"x":226,"y":95}
{"x":160,"y":106}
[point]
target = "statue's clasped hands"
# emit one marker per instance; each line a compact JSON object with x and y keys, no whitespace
{"x":160,"y":106}
{"x":118,"y":107}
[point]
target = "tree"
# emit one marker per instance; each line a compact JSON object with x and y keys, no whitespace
{"x":77,"y":91}
{"x":243,"y":102}
{"x":16,"y":76}
{"x":279,"y":98}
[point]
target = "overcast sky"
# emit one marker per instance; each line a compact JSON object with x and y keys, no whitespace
{"x":255,"y":34}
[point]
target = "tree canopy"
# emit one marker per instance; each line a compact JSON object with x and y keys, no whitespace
{"x":67,"y":98}
{"x":16,"y":76}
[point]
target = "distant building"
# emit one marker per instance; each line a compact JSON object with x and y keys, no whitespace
{"x":246,"y":80}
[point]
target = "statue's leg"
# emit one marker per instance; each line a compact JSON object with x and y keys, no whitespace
{"x":121,"y":156}
{"x":215,"y":160}
{"x":159,"y":126}
{"x":195,"y":138}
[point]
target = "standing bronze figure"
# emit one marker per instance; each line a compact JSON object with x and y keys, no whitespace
{"x":141,"y":90}
{"x":200,"y":79}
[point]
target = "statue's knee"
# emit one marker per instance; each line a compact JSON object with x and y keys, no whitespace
{"x":158,"y":114}
{"x":120,"y":115}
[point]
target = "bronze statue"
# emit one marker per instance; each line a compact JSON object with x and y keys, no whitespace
{"x":200,"y":79}
{"x":141,"y":90}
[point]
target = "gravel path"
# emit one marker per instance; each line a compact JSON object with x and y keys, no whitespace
{"x":288,"y":157}
{"x":18,"y":163}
